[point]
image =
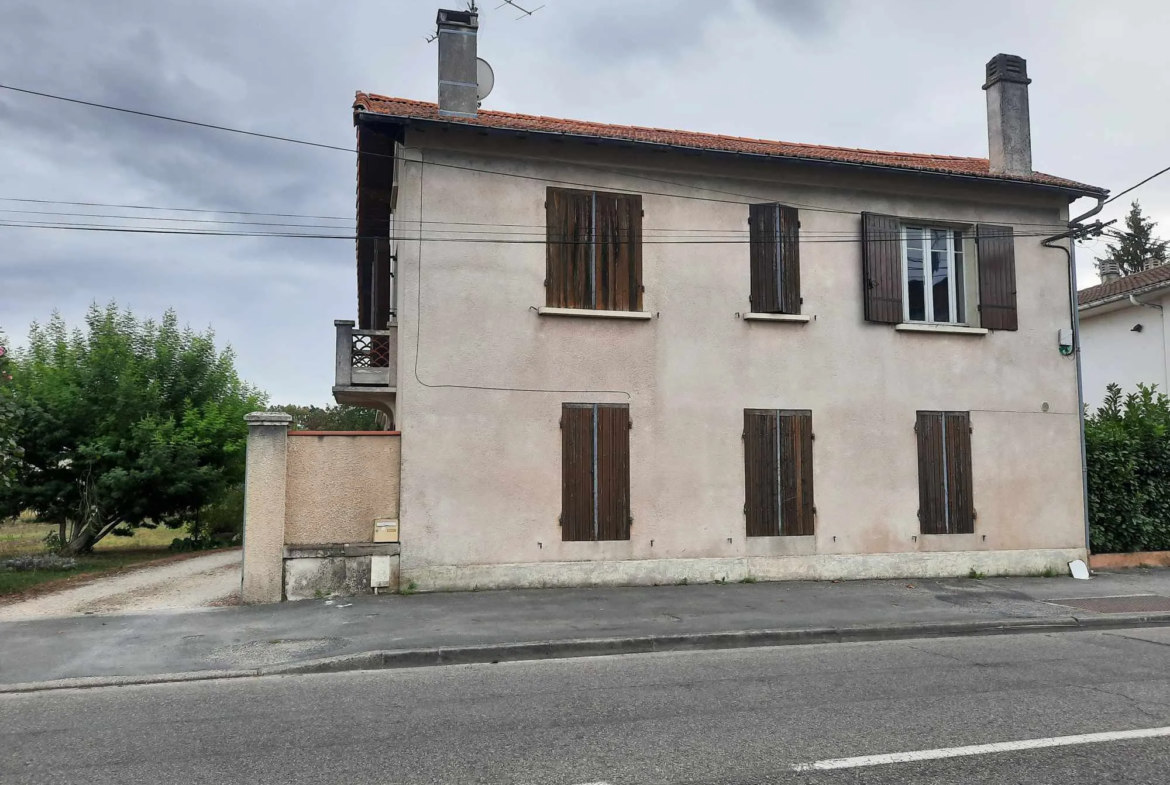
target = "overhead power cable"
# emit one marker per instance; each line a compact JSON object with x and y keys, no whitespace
{"x":508,"y":230}
{"x":397,"y":238}
{"x":173,"y":209}
{"x":1137,"y":185}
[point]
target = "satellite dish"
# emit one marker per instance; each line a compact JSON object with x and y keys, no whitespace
{"x":485,"y":78}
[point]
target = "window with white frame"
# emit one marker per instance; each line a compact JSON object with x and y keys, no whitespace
{"x":933,"y":275}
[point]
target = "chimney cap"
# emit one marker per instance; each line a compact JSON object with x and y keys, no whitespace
{"x":448,"y":18}
{"x":1007,"y":68}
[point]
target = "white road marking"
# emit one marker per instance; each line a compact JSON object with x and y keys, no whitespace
{"x":980,"y":749}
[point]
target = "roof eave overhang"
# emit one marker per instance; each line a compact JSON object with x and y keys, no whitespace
{"x":402,"y":120}
{"x":1113,"y":298}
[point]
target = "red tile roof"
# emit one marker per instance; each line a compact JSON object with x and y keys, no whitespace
{"x":1129,"y":284}
{"x":942,"y":164}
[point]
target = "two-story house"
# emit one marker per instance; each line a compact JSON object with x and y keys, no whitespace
{"x":633,"y":355}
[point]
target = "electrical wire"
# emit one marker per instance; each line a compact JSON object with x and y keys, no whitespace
{"x":655,"y":233}
{"x":1137,"y":185}
{"x":172,"y":209}
{"x":402,"y":238}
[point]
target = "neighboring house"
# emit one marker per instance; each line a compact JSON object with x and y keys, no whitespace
{"x":1123,"y":332}
{"x":632,"y":355}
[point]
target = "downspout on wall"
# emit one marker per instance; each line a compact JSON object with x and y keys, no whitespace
{"x":1075,"y":318}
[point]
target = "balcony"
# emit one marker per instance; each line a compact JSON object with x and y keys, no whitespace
{"x":367,"y":367}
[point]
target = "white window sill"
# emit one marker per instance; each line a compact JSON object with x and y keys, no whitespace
{"x":777,"y":317}
{"x":635,"y":315}
{"x":953,"y":329}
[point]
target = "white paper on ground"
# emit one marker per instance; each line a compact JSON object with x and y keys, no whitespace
{"x":1079,"y":570}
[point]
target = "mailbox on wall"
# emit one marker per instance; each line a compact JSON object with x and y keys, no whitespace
{"x":386,"y":530}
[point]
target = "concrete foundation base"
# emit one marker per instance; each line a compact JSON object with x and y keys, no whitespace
{"x":312,"y":571}
{"x":943,"y":564}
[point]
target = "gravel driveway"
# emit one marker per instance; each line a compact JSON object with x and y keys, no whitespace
{"x":182,"y":585}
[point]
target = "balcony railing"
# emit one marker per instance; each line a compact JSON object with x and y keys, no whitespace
{"x":366,"y":358}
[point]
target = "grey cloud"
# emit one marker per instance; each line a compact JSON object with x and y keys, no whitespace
{"x":663,"y":30}
{"x":804,"y":16}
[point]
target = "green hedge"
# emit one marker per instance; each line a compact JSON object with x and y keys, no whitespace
{"x":1127,"y":443}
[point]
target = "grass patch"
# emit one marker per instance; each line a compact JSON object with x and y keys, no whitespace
{"x":748,"y":579}
{"x":23,"y":537}
{"x":409,"y":589}
{"x":14,"y":582}
{"x":975,"y":575}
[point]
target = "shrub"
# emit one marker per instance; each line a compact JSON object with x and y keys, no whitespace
{"x":1127,"y":443}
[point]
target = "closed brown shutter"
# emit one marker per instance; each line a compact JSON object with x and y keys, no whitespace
{"x":960,"y":506}
{"x":945,"y":496}
{"x":796,"y":478}
{"x":569,"y":242}
{"x":761,"y":472}
{"x":613,"y":472}
{"x":764,"y":253}
{"x":774,"y":258}
{"x":881,"y":264}
{"x":997,"y":277}
{"x":618,"y":263}
{"x":932,"y":508}
{"x":789,"y":259}
{"x":577,"y":471}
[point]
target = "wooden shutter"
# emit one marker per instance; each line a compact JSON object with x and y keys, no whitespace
{"x":997,"y":277}
{"x":789,"y":259}
{"x":569,"y":239}
{"x":881,"y":264}
{"x":613,"y":471}
{"x":577,"y":471}
{"x":945,"y":497}
{"x":932,"y":509}
{"x":761,"y":472}
{"x":796,"y":479}
{"x":960,"y":505}
{"x":764,"y":257}
{"x":618,"y":262}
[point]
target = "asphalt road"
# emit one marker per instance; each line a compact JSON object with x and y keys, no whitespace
{"x":746,"y":716}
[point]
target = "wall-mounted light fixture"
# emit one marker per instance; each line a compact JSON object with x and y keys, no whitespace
{"x":1137,"y":328}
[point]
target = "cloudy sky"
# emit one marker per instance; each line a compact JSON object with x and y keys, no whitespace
{"x":885,"y":74}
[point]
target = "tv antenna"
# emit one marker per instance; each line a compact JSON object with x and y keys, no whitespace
{"x":523,"y":11}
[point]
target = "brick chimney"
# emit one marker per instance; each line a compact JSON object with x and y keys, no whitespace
{"x":457,"y":63}
{"x":1009,"y":133}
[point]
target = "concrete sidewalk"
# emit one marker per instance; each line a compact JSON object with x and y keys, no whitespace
{"x":396,"y":631}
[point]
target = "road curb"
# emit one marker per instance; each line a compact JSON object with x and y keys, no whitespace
{"x":600,"y":647}
{"x":91,"y":682}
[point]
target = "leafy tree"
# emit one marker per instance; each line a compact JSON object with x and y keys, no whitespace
{"x":331,"y":418}
{"x":10,"y":452}
{"x":128,"y":423}
{"x":1136,"y":247}
{"x":1127,"y":443}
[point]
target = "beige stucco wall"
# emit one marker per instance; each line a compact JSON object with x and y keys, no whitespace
{"x":481,"y":468}
{"x":264,"y":507}
{"x":337,"y":485}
